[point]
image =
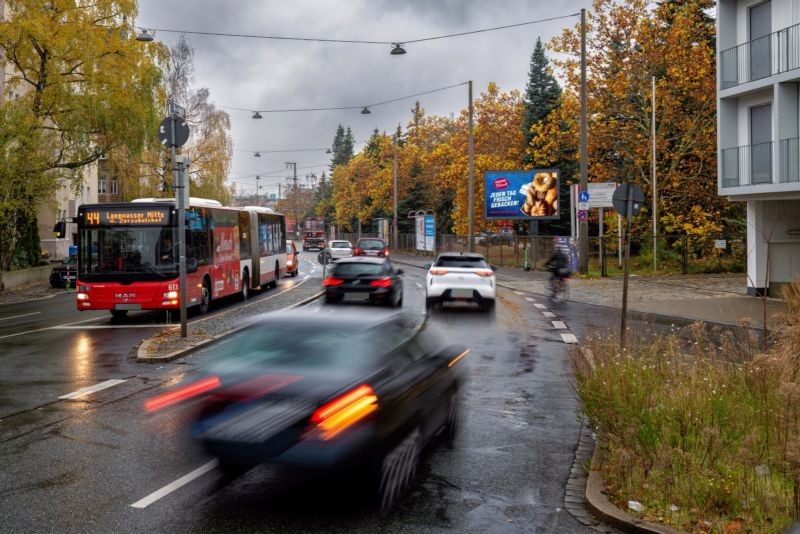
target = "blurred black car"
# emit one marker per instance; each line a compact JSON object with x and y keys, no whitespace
{"x":65,"y":273}
{"x":341,"y":393}
{"x":365,"y":280}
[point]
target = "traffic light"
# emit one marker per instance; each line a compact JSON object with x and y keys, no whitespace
{"x":60,"y":229}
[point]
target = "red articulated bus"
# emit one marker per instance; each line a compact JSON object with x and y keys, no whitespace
{"x":128,"y":254}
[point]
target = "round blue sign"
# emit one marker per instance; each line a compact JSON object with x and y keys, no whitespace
{"x":584,"y":196}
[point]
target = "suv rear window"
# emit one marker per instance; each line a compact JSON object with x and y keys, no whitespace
{"x":357,"y":269}
{"x":340,"y":244}
{"x":465,"y":262}
{"x":371,"y":244}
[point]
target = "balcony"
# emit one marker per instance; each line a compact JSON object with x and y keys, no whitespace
{"x":772,"y":54}
{"x":790,"y":160}
{"x":747,"y":165}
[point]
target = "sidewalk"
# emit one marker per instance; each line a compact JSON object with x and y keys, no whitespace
{"x":709,"y":298}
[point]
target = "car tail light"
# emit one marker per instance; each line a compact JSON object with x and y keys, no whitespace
{"x":332,"y":281}
{"x":386,"y":252}
{"x":358,"y":251}
{"x":382,"y":282}
{"x":438,"y":270}
{"x":344,"y":411}
{"x":182,"y":393}
{"x":484,"y":272}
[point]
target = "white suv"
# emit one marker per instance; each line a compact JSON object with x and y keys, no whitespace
{"x":460,"y":276}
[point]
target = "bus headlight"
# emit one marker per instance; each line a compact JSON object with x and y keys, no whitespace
{"x":170,"y":295}
{"x":82,"y":296}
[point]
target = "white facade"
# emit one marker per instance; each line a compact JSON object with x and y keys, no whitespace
{"x":758,"y":125}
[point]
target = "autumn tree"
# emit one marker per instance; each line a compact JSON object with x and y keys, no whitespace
{"x":84,"y":87}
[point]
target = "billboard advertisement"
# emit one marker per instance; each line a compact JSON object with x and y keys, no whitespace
{"x":531,"y":194}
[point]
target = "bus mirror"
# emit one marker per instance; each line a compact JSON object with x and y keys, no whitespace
{"x":191,"y":265}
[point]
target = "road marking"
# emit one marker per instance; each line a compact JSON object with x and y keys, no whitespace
{"x":418,"y":285}
{"x":530,"y":299}
{"x":569,"y":338}
{"x":541,"y":306}
{"x":548,"y":314}
{"x":50,"y":328}
{"x":519,"y":292}
{"x":92,"y":389}
{"x":559,"y":325}
{"x":112,"y":326}
{"x":18,"y":316}
{"x":172,"y":486}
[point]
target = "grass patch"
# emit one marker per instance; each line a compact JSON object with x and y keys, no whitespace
{"x":706,"y":435}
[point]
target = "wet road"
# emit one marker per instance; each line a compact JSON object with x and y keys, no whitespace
{"x":79,"y":464}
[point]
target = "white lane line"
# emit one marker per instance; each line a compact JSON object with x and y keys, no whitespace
{"x":51,"y":327}
{"x":519,"y":292}
{"x":569,"y":338}
{"x":18,"y":316}
{"x":113,"y":326}
{"x":92,"y":389}
{"x":559,"y":325}
{"x":418,"y":285}
{"x":541,"y":306}
{"x":529,"y":299}
{"x":548,"y":314}
{"x":172,"y":486}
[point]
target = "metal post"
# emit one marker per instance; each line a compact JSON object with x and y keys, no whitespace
{"x":619,"y":240}
{"x":583,"y":226}
{"x":624,"y":316}
{"x":655,"y":188}
{"x":394,"y":190}
{"x":600,"y":244}
{"x":257,"y":188}
{"x":471,"y":180}
{"x":178,"y":179}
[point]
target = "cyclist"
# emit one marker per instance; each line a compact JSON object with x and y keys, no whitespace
{"x":558,"y":265}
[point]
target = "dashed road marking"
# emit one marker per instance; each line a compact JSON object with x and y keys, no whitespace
{"x":548,"y":314}
{"x":172,"y":486}
{"x":569,"y":338}
{"x":113,"y":326}
{"x":92,"y":389}
{"x":51,"y":327}
{"x":519,"y":292}
{"x":541,"y":306}
{"x":418,"y":285}
{"x":18,"y":316}
{"x":529,"y":299}
{"x":559,"y":325}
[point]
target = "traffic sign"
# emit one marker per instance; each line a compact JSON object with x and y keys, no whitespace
{"x":625,"y":192}
{"x":600,"y":194}
{"x":181,"y":132}
{"x":581,"y":215}
{"x":584,"y":197}
{"x":583,"y":205}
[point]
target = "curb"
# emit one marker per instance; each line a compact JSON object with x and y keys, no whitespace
{"x":142,"y":353}
{"x":606,"y":511}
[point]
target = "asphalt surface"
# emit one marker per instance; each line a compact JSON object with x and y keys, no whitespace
{"x":79,"y":464}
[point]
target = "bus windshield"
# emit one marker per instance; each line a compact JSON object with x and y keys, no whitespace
{"x":128,"y":253}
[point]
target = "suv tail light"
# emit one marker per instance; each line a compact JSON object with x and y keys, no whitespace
{"x":344,"y":411}
{"x":385,"y":251}
{"x":438,"y":270}
{"x":484,"y":272}
{"x":332,"y":281}
{"x":182,"y":393}
{"x":358,"y":251}
{"x":382,"y":282}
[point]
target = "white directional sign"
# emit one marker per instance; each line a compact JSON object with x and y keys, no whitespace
{"x":600,"y":194}
{"x":583,"y":206}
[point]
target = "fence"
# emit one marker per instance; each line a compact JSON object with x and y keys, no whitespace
{"x":677,"y":253}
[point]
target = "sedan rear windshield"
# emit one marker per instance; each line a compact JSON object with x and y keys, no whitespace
{"x":358,"y":269}
{"x":465,"y":262}
{"x":371,"y":244}
{"x":340,"y":244}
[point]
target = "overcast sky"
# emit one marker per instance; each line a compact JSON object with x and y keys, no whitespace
{"x":270,"y":74}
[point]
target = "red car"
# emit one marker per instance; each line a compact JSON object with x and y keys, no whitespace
{"x":371,"y":246}
{"x":292,"y":259}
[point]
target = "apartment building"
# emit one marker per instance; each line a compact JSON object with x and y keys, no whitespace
{"x":758,"y":125}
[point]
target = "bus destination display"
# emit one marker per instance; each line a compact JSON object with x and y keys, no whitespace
{"x":118,"y":216}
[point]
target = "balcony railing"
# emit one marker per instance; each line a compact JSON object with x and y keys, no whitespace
{"x":772,"y":54}
{"x":747,"y":165}
{"x":790,"y":160}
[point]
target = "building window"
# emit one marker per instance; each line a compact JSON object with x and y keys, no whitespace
{"x":101,"y":186}
{"x":114,"y":186}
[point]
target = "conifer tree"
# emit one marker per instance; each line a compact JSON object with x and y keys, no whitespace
{"x":541,"y":95}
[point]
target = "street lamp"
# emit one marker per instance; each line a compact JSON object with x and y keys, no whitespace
{"x":397,"y":49}
{"x":144,"y":36}
{"x":257,"y":115}
{"x":257,"y":155}
{"x":365,"y":111}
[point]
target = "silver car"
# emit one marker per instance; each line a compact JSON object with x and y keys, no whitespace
{"x":340,"y":249}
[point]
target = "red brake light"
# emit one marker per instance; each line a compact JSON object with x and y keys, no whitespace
{"x":345,"y":410}
{"x":182,"y":393}
{"x":382,"y":282}
{"x":486,"y":272}
{"x":332,"y":281}
{"x":357,"y":251}
{"x":438,"y":270}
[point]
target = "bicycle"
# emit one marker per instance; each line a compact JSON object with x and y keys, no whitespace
{"x":558,"y":284}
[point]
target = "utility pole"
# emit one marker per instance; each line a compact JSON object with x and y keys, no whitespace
{"x":279,"y":191}
{"x":471,"y":179}
{"x":583,"y":226}
{"x":257,"y":188}
{"x":394,"y":195}
{"x":655,"y":188}
{"x":293,"y":165}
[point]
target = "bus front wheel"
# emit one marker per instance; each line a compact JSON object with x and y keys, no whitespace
{"x":205,"y":298}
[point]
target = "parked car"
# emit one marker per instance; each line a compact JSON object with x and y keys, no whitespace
{"x":65,"y":273}
{"x":460,"y":276}
{"x":371,"y":246}
{"x":364,"y":280}
{"x":320,"y":392}
{"x":339,"y":249}
{"x":292,"y":259}
{"x":313,"y":243}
